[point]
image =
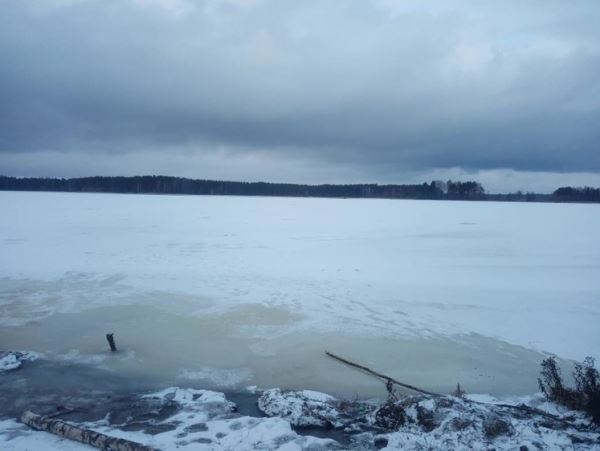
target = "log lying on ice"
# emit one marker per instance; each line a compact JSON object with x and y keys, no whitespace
{"x":78,"y":434}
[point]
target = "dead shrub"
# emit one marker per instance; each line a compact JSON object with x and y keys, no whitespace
{"x":586,"y":394}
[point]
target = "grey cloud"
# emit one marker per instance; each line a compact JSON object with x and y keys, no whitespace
{"x":373,"y":85}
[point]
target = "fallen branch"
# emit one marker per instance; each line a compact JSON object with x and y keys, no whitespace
{"x":388,"y":379}
{"x":520,"y":407}
{"x":87,"y":436}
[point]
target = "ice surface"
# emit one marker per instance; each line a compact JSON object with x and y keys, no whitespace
{"x":218,"y":377}
{"x":431,"y":292}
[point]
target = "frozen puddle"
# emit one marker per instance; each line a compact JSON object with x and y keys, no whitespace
{"x":222,"y":293}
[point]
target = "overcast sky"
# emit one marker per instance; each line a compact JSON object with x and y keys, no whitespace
{"x":397,"y":91}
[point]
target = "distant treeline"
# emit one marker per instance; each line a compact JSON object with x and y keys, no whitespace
{"x":159,"y":184}
{"x":570,"y":194}
{"x":177,"y":185}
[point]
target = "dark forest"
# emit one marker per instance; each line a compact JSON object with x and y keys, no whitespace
{"x":154,"y":184}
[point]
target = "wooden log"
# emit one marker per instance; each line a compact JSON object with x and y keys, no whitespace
{"x":87,"y":436}
{"x":111,"y":341}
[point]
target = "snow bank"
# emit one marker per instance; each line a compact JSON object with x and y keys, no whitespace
{"x":453,"y":423}
{"x":175,"y":418}
{"x":204,"y":419}
{"x":190,"y":419}
{"x":11,"y":360}
{"x":300,"y":408}
{"x":450,"y":423}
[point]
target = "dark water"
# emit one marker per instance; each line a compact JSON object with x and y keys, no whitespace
{"x":78,"y":393}
{"x":47,"y":387}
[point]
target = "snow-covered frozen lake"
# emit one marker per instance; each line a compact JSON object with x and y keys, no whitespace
{"x":226,"y":292}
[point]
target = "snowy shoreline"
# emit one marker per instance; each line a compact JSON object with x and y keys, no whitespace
{"x":195,"y":419}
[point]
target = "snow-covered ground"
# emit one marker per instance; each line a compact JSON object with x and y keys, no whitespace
{"x":194,"y":420}
{"x":239,"y":290}
{"x":202,"y":420}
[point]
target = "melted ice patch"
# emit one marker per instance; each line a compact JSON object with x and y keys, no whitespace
{"x":218,"y":377}
{"x":74,"y":355}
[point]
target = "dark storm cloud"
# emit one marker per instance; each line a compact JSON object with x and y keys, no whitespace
{"x":404,"y":85}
